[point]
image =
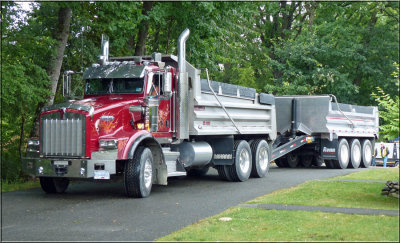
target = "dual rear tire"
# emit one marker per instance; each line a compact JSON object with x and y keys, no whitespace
{"x":353,"y":155}
{"x":250,"y":160}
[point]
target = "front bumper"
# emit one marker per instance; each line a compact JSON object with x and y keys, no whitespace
{"x":71,"y":168}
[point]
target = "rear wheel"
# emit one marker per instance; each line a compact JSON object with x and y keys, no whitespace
{"x":281,"y":163}
{"x":306,"y":160}
{"x":223,"y":172}
{"x":241,"y":168}
{"x":292,"y":160}
{"x":355,"y":153}
{"x":138,"y":178}
{"x":366,"y":153}
{"x":260,"y":154}
{"x":343,"y":154}
{"x":54,"y":185}
{"x":317,"y":160}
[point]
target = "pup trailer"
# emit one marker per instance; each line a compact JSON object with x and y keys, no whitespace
{"x":144,"y":119}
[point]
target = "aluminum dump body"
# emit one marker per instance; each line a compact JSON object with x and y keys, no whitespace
{"x":251,"y":112}
{"x":321,"y":115}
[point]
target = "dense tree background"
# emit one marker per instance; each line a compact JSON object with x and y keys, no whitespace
{"x":344,"y":48}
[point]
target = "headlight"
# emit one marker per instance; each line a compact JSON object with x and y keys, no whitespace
{"x":33,"y":142}
{"x":108,"y":144}
{"x":33,"y":146}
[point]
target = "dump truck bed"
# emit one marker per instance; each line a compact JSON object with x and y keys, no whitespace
{"x":252,"y":113}
{"x":320,"y":115}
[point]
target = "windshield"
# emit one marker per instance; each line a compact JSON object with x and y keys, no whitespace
{"x":114,"y":86}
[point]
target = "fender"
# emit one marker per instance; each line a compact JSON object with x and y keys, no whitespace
{"x":124,"y":153}
{"x":160,"y":167}
{"x":139,"y":140}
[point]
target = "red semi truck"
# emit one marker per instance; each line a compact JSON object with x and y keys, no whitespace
{"x":144,"y":119}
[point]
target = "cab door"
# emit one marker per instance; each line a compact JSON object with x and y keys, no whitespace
{"x":165,"y":108}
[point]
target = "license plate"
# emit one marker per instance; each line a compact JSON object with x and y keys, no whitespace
{"x":60,"y":162}
{"x":101,"y":175}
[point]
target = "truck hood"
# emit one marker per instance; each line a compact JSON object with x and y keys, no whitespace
{"x":95,"y":105}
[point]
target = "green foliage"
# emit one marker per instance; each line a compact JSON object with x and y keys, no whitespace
{"x":343,"y":48}
{"x":389,"y":109}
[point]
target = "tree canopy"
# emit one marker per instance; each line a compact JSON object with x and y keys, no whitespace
{"x":342,"y":48}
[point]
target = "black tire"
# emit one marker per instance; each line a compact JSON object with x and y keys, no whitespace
{"x":396,"y":164}
{"x":260,"y":158}
{"x":198,"y":171}
{"x":223,"y":172}
{"x":355,"y":154}
{"x":343,"y":155}
{"x":317,"y":160}
{"x":306,"y":160}
{"x":281,"y":163}
{"x":367,"y":151}
{"x":292,"y":160}
{"x":138,"y":174}
{"x":54,"y":185}
{"x":241,"y":168}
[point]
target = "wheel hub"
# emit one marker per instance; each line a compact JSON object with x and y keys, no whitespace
{"x":244,"y":161}
{"x":263,"y":158}
{"x":344,"y":153}
{"x":148,"y":173}
{"x":368,"y":154}
{"x":357,"y":153}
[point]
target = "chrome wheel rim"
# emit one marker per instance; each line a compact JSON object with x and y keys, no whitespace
{"x":148,"y":173}
{"x":244,"y":161}
{"x":263,"y":158}
{"x":367,"y":154}
{"x":357,"y":153}
{"x":344,"y":154}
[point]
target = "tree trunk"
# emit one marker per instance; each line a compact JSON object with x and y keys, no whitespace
{"x":143,"y":29}
{"x":61,"y":35}
{"x":168,"y":36}
{"x":21,"y":138}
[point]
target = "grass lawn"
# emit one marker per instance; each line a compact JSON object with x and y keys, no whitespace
{"x":333,"y":194}
{"x":252,"y":224}
{"x":377,"y":174}
{"x":15,"y":186}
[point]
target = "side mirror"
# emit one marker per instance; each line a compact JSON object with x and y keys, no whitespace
{"x":167,"y":84}
{"x":67,"y":83}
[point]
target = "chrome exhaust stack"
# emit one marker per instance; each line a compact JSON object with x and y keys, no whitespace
{"x":105,"y":45}
{"x":182,"y":117}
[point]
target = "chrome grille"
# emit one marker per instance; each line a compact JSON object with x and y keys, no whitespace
{"x":63,"y":137}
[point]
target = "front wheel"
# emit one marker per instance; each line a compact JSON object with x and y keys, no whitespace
{"x":138,"y":176}
{"x":54,"y":185}
{"x":260,"y":154}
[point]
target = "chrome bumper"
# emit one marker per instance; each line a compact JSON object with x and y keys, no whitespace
{"x":71,"y":168}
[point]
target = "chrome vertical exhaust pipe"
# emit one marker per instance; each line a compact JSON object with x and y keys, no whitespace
{"x":182,"y":117}
{"x":103,"y":58}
